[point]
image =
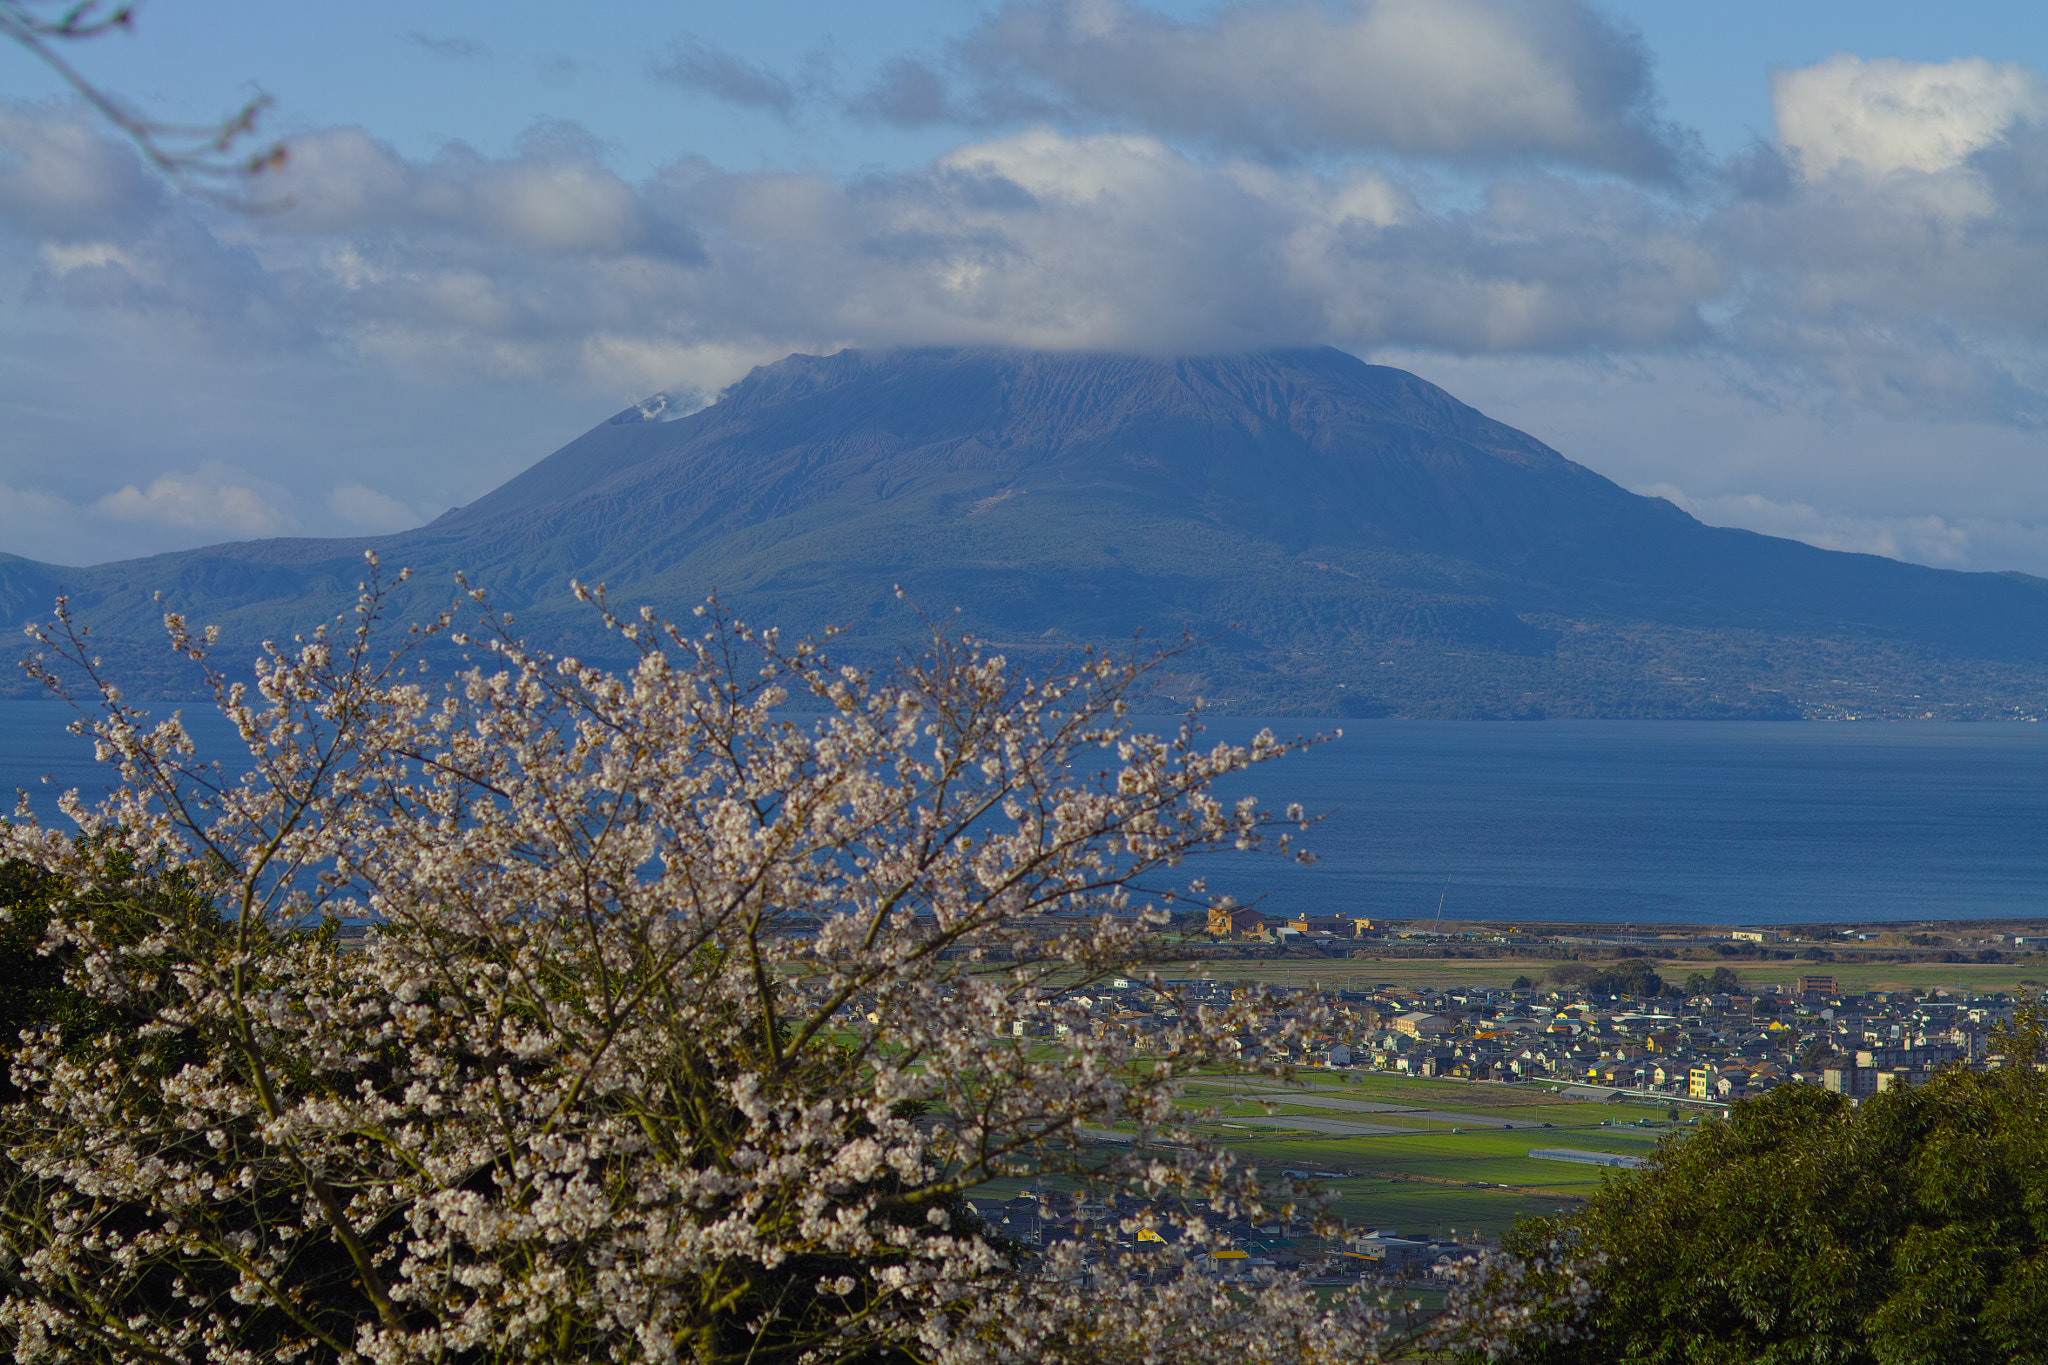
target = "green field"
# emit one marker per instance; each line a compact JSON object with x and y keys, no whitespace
{"x":1386,"y":1088}
{"x":1430,"y":1183}
{"x":1442,"y":1175}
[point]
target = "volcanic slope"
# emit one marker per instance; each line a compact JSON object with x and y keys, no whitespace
{"x":1345,"y":538}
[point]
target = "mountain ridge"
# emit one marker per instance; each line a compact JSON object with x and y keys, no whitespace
{"x":1352,"y":521}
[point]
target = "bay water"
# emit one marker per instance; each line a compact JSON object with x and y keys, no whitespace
{"x":1594,"y":821}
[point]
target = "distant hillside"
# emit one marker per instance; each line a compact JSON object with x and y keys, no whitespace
{"x":1360,"y":542}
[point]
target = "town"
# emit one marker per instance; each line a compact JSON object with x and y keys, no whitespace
{"x":1410,"y":1105}
{"x":1716,"y":1045}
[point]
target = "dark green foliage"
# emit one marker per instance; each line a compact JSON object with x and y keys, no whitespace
{"x":1633,"y":976}
{"x":1721,"y":981}
{"x":32,"y":989}
{"x":1815,"y":1054}
{"x":123,"y":905}
{"x":1910,"y":1231}
{"x":34,"y":992}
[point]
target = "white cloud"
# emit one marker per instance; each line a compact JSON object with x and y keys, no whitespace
{"x":1882,"y":257}
{"x":1984,"y":543}
{"x":60,"y":175}
{"x":646,"y":367}
{"x":1880,"y":115}
{"x":365,"y":509}
{"x":563,"y":207}
{"x":32,"y":518}
{"x":1925,"y":289}
{"x":200,"y":500}
{"x":546,"y":267}
{"x":1890,"y":246}
{"x":1120,"y":241}
{"x":1487,"y":79}
{"x":64,"y":257}
{"x":554,"y":196}
{"x":174,"y":509}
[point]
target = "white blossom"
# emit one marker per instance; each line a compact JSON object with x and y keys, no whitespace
{"x":677,"y":1033}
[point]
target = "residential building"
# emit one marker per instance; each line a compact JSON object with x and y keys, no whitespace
{"x":1857,"y":1082}
{"x":1235,"y":922}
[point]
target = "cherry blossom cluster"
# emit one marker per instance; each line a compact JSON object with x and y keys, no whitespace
{"x":681,"y":1031}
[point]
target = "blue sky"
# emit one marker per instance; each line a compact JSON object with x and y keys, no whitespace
{"x":1781,"y":263}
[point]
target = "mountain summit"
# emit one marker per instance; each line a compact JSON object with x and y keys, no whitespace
{"x":1351,"y":539}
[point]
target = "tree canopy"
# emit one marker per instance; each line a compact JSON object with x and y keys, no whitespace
{"x":1721,"y":981}
{"x":1802,"y":1230}
{"x":1633,"y":976}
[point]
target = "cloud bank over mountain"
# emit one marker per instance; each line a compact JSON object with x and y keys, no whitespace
{"x":1460,"y":178}
{"x":1452,"y":79}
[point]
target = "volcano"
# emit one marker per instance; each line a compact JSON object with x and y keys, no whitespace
{"x":1340,"y":538}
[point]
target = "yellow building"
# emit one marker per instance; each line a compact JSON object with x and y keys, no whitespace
{"x":1235,"y":921}
{"x":1421,"y":1024}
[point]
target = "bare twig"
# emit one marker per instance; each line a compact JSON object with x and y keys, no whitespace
{"x":201,"y":158}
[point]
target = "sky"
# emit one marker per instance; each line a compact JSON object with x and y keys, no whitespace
{"x":1785,"y":264}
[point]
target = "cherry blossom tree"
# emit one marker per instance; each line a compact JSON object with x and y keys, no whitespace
{"x":699,"y":996}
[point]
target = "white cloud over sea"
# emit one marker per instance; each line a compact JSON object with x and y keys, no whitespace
{"x":1446,"y":184}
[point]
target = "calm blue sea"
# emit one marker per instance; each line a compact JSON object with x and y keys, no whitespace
{"x":1611,"y":821}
